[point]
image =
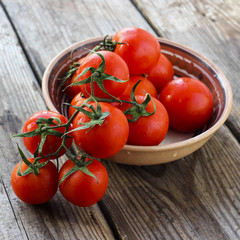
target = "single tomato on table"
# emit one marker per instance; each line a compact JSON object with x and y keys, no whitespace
{"x":81,"y":189}
{"x":189,"y":103}
{"x":35,"y":189}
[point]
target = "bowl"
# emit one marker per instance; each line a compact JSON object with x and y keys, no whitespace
{"x":186,"y":63}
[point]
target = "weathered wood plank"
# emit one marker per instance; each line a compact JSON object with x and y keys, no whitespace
{"x":209,"y":27}
{"x":10,"y":228}
{"x":20,"y":96}
{"x":187,"y":199}
{"x":195,"y":198}
{"x":45,"y":31}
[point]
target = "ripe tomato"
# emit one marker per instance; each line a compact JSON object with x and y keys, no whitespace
{"x":81,"y":189}
{"x":145,"y":86}
{"x":140,"y":51}
{"x":161,"y":73}
{"x":150,"y":130}
{"x":105,"y":140}
{"x":35,"y":189}
{"x":76,"y":101}
{"x":52,"y":143}
{"x":189,"y":103}
{"x":75,"y":89}
{"x":114,"y":66}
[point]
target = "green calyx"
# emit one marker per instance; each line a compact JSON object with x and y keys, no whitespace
{"x":80,"y":164}
{"x":46,"y":127}
{"x":107,"y":44}
{"x":139,"y":110}
{"x":32,"y":167}
{"x":72,"y":69}
{"x":97,"y":76}
{"x":97,"y":116}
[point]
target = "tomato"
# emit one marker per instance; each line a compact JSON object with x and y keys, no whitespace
{"x":76,"y":101}
{"x":189,"y":103}
{"x":35,"y":189}
{"x":150,"y":130}
{"x":81,"y":189}
{"x":75,"y":89}
{"x":52,"y":143}
{"x":161,"y":73}
{"x":104,"y":140}
{"x":114,"y":66}
{"x":145,"y":86}
{"x":140,"y":51}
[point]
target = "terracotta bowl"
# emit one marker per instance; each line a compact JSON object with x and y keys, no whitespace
{"x":186,"y":63}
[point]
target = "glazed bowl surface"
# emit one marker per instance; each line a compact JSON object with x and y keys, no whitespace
{"x":186,"y":63}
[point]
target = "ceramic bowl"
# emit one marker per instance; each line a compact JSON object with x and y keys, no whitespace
{"x":186,"y":63}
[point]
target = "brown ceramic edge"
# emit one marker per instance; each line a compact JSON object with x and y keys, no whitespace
{"x":207,"y":134}
{"x":45,"y":90}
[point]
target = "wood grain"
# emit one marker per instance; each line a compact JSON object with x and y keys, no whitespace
{"x":194,"y":198}
{"x":20,"y":97}
{"x":209,"y":27}
{"x":197,"y":197}
{"x":65,"y":23}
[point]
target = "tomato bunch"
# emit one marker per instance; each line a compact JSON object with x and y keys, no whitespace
{"x":47,"y":135}
{"x":122,"y":92}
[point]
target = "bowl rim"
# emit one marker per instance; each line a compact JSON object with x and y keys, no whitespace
{"x":166,"y":147}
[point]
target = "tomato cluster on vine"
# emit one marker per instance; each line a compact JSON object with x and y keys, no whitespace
{"x":122,"y":92}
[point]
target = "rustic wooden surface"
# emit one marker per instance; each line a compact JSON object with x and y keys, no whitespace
{"x":197,"y":197}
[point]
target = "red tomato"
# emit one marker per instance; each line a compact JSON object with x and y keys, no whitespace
{"x":189,"y":103}
{"x":114,"y":66}
{"x":35,"y":189}
{"x":81,"y":189}
{"x":141,"y":50}
{"x":52,"y":143}
{"x":76,"y":101}
{"x":145,"y":86}
{"x":161,"y":73}
{"x":75,"y":89}
{"x":150,"y":130}
{"x":105,"y":140}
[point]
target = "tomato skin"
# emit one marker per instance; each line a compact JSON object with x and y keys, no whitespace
{"x":105,"y":140}
{"x":141,"y":50}
{"x":76,"y":101}
{"x":151,"y":130}
{"x":52,"y":143}
{"x":37,"y":189}
{"x":189,"y":103}
{"x":161,"y":73}
{"x":144,"y":87}
{"x":81,"y":189}
{"x":114,"y":66}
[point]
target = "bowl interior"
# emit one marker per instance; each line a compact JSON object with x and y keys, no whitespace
{"x":186,"y":63}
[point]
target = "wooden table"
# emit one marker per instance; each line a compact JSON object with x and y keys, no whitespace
{"x":197,"y":197}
